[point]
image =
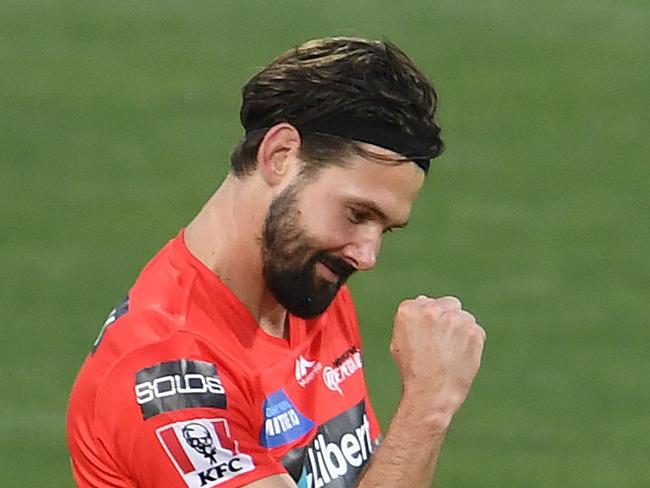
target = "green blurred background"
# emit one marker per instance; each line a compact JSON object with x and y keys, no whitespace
{"x":116,"y":121}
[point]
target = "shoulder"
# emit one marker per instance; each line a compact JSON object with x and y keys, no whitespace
{"x":146,"y":363}
{"x":166,"y":373}
{"x":150,"y":395}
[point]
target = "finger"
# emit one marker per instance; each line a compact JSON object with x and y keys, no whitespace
{"x":460,"y":318}
{"x":449,"y":303}
{"x":482,"y":331}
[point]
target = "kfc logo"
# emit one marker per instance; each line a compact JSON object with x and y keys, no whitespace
{"x":204,"y":452}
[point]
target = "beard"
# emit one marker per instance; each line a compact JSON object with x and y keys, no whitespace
{"x":289,"y":259}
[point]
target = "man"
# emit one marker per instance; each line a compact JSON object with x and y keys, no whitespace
{"x":236,"y":358}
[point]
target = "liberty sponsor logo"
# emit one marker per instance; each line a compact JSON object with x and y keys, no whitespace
{"x":306,"y":370}
{"x":336,"y":455}
{"x":330,"y":461}
{"x":176,"y":385}
{"x":343,"y":367}
{"x":283,"y":422}
{"x":204,"y":452}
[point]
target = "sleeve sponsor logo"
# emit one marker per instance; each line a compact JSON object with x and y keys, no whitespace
{"x":175,"y":385}
{"x":283,"y":422}
{"x":203,"y":451}
{"x":337,"y":454}
{"x":344,"y":367}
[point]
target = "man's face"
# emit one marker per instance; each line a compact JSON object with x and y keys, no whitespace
{"x":321,"y":229}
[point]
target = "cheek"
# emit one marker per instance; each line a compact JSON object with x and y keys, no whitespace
{"x":327,"y":228}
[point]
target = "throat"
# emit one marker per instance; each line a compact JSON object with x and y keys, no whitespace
{"x":277,"y":327}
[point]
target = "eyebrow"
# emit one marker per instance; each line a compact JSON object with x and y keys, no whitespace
{"x":374,"y":209}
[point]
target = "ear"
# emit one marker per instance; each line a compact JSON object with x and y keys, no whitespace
{"x":277,"y":155}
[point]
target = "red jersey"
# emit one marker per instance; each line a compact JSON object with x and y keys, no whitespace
{"x":184,"y":389}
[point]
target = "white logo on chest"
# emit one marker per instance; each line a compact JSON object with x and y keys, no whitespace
{"x":306,"y":370}
{"x":333,"y":377}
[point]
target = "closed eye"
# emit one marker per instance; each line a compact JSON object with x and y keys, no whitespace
{"x":358,"y":216}
{"x":369,"y":213}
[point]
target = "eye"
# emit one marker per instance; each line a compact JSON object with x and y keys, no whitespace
{"x":357,"y":216}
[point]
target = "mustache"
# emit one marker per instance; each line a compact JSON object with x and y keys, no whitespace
{"x":339,"y":266}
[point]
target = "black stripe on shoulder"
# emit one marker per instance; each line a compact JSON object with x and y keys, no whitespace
{"x":116,"y":313}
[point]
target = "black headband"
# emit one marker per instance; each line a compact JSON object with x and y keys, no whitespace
{"x":378,"y":133}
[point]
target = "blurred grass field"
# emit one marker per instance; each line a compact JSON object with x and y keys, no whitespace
{"x":116,"y":121}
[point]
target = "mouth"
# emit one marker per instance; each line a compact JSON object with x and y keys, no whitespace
{"x":326,"y":272}
{"x":333,"y":269}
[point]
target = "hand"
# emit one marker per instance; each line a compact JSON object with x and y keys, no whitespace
{"x":437,"y":347}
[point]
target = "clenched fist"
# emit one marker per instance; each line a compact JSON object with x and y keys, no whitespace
{"x":437,"y":347}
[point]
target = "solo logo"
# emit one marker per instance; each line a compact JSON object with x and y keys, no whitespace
{"x":176,"y":385}
{"x":204,"y":452}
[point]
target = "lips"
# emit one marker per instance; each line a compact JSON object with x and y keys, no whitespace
{"x":327,"y":273}
{"x":337,"y":267}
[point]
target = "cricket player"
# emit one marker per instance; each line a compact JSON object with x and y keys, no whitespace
{"x":235,"y":359}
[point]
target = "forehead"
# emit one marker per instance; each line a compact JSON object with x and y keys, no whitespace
{"x":388,"y":185}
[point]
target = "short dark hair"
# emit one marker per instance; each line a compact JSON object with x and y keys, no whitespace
{"x":340,"y":76}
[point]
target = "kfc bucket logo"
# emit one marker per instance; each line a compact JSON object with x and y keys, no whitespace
{"x":204,"y":452}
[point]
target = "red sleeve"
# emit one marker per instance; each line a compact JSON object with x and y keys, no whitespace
{"x":176,"y":414}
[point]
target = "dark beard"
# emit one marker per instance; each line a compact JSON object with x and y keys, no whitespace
{"x":289,"y":261}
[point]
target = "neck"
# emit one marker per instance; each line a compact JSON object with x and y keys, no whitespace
{"x":226,"y":237}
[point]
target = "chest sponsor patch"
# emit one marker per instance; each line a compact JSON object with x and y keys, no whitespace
{"x":343,"y":367}
{"x":175,"y":385}
{"x":283,"y":422}
{"x":306,"y":371}
{"x":336,"y":455}
{"x":204,"y":452}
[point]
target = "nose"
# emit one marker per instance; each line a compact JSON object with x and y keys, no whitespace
{"x":363,"y":252}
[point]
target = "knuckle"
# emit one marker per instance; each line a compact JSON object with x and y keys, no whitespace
{"x":468,"y":317}
{"x":431,"y":309}
{"x":456,"y":317}
{"x":482,"y":332}
{"x":452,"y":300}
{"x":476,"y":332}
{"x":404,"y":307}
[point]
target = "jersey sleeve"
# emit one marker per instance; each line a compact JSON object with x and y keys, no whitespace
{"x":178,"y":414}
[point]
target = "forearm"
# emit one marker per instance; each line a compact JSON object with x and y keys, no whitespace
{"x":408,"y":454}
{"x":437,"y":347}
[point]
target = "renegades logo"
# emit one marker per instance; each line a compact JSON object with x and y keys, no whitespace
{"x":343,"y":367}
{"x":204,"y":452}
